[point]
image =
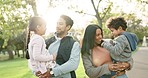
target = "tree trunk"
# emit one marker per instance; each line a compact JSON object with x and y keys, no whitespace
{"x":99,"y":21}
{"x":18,"y":53}
{"x":33,"y":5}
{"x":97,"y":14}
{"x":10,"y":54}
{"x":8,"y":49}
{"x":23,"y":53}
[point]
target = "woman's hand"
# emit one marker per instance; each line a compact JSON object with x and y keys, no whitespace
{"x":124,"y":66}
{"x":119,"y":66}
{"x":113,"y":67}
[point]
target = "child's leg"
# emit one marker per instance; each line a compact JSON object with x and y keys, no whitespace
{"x":122,"y":76}
{"x":113,"y":73}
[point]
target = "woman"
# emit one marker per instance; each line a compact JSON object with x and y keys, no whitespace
{"x":93,"y":55}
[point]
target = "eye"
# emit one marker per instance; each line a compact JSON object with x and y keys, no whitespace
{"x":60,"y":23}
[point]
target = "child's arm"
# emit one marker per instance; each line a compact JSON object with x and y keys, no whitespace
{"x":118,"y":47}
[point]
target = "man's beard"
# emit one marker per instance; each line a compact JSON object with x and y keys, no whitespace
{"x":60,"y":33}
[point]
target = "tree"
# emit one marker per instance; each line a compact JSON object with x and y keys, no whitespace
{"x":13,"y":20}
{"x":100,"y":15}
{"x":32,"y":3}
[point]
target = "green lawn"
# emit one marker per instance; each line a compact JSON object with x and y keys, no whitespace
{"x":18,"y":68}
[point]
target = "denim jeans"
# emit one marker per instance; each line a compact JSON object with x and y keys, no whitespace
{"x":106,"y":76}
{"x":121,"y":76}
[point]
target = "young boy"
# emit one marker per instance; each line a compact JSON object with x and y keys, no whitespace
{"x":124,"y":42}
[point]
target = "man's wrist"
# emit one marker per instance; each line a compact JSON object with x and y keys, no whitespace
{"x":51,"y":72}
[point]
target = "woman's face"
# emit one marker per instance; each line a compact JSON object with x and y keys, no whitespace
{"x":98,"y":36}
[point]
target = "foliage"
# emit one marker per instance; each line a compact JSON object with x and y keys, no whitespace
{"x":13,"y":18}
{"x":135,"y":26}
{"x":14,"y":15}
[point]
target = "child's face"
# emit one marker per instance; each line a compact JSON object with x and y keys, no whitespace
{"x":115,"y":32}
{"x":42,"y":29}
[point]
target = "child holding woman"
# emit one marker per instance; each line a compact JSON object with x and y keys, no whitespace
{"x":39,"y":56}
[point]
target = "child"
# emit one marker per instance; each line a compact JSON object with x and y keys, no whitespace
{"x":39,"y":56}
{"x":124,"y":43}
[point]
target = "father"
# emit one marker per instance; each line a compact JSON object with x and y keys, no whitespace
{"x":66,"y":48}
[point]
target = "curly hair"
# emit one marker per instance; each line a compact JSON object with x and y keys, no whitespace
{"x":116,"y":23}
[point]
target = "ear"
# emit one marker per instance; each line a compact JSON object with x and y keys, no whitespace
{"x":68,"y":27}
{"x":120,"y":28}
{"x":37,"y":27}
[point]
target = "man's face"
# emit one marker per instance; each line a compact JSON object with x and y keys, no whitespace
{"x":61,"y":27}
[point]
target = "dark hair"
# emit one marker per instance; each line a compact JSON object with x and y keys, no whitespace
{"x":116,"y":23}
{"x":33,"y":23}
{"x":89,"y":38}
{"x":68,"y":20}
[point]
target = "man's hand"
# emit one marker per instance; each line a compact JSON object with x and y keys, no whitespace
{"x":38,"y":74}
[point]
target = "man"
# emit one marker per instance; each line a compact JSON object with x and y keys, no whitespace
{"x":66,"y":48}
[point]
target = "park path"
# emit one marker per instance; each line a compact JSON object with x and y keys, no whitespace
{"x":140,"y":68}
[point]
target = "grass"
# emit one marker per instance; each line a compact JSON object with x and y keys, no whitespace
{"x":17,"y":68}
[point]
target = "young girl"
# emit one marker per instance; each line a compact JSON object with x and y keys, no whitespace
{"x":39,"y":56}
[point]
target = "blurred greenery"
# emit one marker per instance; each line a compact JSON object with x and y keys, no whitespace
{"x":17,"y":68}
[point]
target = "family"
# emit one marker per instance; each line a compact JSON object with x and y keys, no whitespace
{"x":59,"y":56}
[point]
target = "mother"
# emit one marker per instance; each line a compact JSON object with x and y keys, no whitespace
{"x":96,"y":60}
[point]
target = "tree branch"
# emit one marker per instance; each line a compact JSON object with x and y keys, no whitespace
{"x":98,"y":4}
{"x":84,"y":13}
{"x":107,"y":10}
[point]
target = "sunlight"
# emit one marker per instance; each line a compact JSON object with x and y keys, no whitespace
{"x":51,"y":18}
{"x":51,"y":15}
